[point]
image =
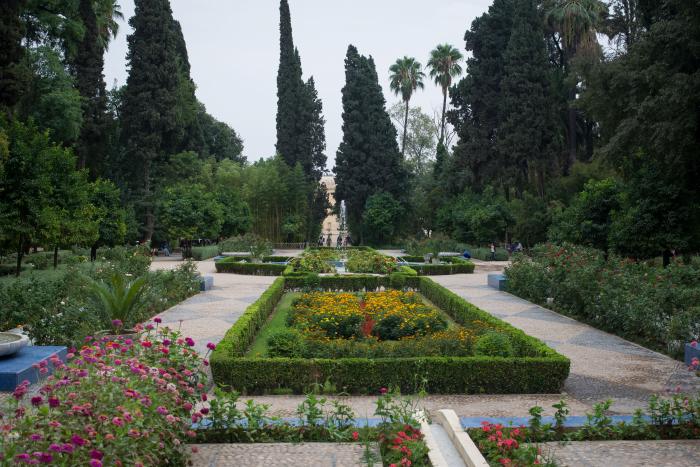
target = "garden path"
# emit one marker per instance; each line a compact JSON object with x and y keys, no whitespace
{"x":280,"y":455}
{"x":602,"y":365}
{"x":207,"y":316}
{"x":681,"y":453}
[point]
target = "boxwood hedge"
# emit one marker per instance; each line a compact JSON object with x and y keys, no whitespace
{"x":237,"y":265}
{"x":455,"y":265}
{"x":537,"y":369}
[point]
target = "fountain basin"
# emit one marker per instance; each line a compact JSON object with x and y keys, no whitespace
{"x":11,"y":343}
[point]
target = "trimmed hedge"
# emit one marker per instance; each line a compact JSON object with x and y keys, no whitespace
{"x":456,"y":265}
{"x":539,"y":369}
{"x":236,"y":266}
{"x":200,"y":253}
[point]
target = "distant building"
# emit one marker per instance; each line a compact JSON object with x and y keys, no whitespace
{"x":330,"y":223}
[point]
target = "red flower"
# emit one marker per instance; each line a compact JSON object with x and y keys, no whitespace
{"x":355,"y":435}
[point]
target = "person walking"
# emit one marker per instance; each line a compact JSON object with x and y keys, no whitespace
{"x":493,"y":251}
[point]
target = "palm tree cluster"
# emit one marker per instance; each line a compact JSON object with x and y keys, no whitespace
{"x":406,"y":76}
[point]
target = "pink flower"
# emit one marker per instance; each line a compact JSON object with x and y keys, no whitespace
{"x":147,"y":344}
{"x":77,"y":440}
{"x":55,"y":447}
{"x":95,"y":463}
{"x":36,"y":437}
{"x":195,"y":450}
{"x":187,"y":406}
{"x":189,"y":341}
{"x":157,"y":319}
{"x":694,"y":344}
{"x":162,"y":410}
{"x":166,"y":342}
{"x":204,"y":410}
{"x":149,"y":326}
{"x":67,"y":448}
{"x":383,"y":390}
{"x":204,"y":396}
{"x":211,"y":346}
{"x":95,"y":454}
{"x":44,"y":457}
{"x":117,"y":421}
{"x":37,"y":400}
{"x":54,"y":402}
{"x":117,"y":323}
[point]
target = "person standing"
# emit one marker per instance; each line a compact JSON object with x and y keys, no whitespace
{"x":493,"y":251}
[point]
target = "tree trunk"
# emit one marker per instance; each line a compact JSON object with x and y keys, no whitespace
{"x":20,"y":254}
{"x":572,"y":129}
{"x":405,"y":130}
{"x":444,"y":108}
{"x":55,"y":256}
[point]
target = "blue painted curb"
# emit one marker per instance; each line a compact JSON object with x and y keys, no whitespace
{"x":571,"y":422}
{"x":294,"y":421}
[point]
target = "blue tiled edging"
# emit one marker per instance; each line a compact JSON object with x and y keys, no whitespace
{"x":16,"y":368}
{"x":497,"y":281}
{"x":357,"y":423}
{"x":571,"y":422}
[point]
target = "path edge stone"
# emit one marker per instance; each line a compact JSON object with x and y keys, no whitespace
{"x":466,"y":448}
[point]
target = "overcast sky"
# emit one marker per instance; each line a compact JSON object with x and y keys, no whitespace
{"x":233,"y":47}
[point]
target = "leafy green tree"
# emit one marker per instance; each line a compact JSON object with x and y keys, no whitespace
{"x":187,"y":211}
{"x":151,"y":125}
{"x":53,"y":101}
{"x":27,"y":190}
{"x":420,"y":137}
{"x":527,"y":134}
{"x":531,"y":219}
{"x":647,"y":103}
{"x":444,"y":67}
{"x":588,"y":219}
{"x":406,"y":75}
{"x":111,"y":216}
{"x":368,"y":160}
{"x":381,"y":218}
{"x":219,"y":139}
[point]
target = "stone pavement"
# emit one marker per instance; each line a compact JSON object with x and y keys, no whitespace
{"x":685,"y":453}
{"x":207,"y":316}
{"x":602,"y":365}
{"x":280,"y":455}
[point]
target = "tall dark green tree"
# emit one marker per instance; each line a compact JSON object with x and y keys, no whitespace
{"x":151,"y":126}
{"x":89,"y":80}
{"x":476,"y":98}
{"x":527,"y":132}
{"x":298,"y":108}
{"x":368,"y":159}
{"x":11,"y":52}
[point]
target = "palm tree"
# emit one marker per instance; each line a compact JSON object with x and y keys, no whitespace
{"x":107,"y":13}
{"x":444,"y":65}
{"x":575,"y":21}
{"x":406,"y":76}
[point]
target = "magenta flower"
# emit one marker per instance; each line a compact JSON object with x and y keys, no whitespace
{"x":67,"y":448}
{"x":211,"y":346}
{"x":54,"y":402}
{"x":694,"y":344}
{"x":36,"y":437}
{"x":37,"y":400}
{"x":44,"y":457}
{"x":204,"y":410}
{"x":77,"y":440}
{"x":162,"y":410}
{"x":95,"y":463}
{"x":189,"y":341}
{"x":157,"y":319}
{"x":166,"y":342}
{"x":55,"y":447}
{"x":95,"y":454}
{"x":22,"y":457}
{"x":117,"y":323}
{"x":149,"y":326}
{"x":117,"y":421}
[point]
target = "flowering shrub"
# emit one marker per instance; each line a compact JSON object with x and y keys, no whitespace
{"x":654,"y":306}
{"x":370,"y":262}
{"x":507,"y":445}
{"x":117,"y":401}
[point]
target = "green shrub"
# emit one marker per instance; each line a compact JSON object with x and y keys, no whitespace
{"x":370,"y":261}
{"x":493,"y":344}
{"x":40,"y":260}
{"x":200,"y":253}
{"x":285,"y":343}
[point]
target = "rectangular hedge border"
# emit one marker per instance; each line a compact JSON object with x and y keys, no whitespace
{"x":541,"y":369}
{"x":457,"y":266}
{"x":235,"y":265}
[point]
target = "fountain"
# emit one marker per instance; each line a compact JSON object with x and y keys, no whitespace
{"x":11,"y":343}
{"x":18,"y":358}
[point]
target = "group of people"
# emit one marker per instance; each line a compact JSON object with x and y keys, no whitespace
{"x":340,"y":242}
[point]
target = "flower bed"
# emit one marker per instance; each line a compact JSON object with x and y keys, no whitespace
{"x":116,"y":402}
{"x":370,"y":261}
{"x":528,"y":367}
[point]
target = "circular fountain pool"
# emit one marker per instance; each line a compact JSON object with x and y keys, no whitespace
{"x":11,"y":343}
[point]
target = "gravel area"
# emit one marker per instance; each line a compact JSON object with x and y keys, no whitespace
{"x":626,"y":453}
{"x":280,"y":455}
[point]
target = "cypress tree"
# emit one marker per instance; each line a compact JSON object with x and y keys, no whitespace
{"x":88,"y":66}
{"x":477,"y":97}
{"x":527,"y":129}
{"x":151,"y":127}
{"x":290,"y":89}
{"x":368,"y":160}
{"x":300,"y":134}
{"x":11,"y":52}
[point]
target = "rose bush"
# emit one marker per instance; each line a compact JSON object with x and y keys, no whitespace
{"x":117,"y":401}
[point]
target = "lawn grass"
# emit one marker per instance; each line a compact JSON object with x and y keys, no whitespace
{"x":277,"y":322}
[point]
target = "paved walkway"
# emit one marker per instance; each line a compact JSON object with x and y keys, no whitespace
{"x":207,"y":316}
{"x":626,"y":453}
{"x":280,"y":455}
{"x":602,"y":365}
